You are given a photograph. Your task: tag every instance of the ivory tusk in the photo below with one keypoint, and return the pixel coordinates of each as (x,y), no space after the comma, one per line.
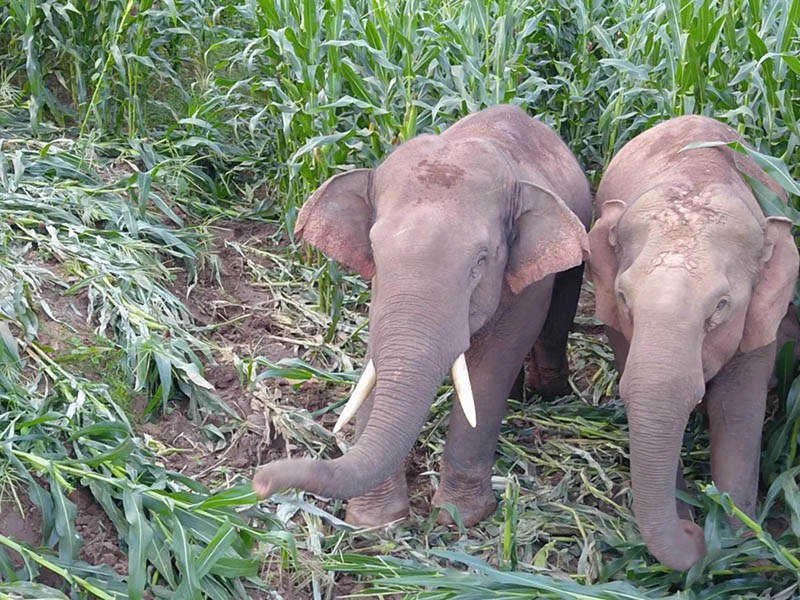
(360,393)
(464,389)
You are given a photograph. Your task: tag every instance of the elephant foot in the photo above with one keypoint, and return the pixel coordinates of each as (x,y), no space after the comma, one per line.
(547,381)
(679,547)
(386,503)
(474,503)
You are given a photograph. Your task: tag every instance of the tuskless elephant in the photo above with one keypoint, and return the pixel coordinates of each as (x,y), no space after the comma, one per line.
(474,240)
(692,282)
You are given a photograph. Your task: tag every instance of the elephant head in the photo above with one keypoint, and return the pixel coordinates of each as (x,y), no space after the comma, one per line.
(690,274)
(445,229)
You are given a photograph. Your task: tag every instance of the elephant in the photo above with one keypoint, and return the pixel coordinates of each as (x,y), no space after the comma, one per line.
(474,240)
(691,281)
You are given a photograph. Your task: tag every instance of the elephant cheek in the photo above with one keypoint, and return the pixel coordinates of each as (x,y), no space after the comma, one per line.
(625,322)
(484,301)
(720,345)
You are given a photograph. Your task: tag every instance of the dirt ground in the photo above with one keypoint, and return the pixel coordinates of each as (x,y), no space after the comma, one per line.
(22,522)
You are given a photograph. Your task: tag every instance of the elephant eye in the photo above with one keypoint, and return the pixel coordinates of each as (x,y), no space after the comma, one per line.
(717,317)
(476,270)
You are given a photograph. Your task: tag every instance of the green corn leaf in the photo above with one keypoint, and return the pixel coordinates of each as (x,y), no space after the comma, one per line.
(27,589)
(165,375)
(793,62)
(190,582)
(216,549)
(160,556)
(235,567)
(69,540)
(241,495)
(139,539)
(111,430)
(785,368)
(770,203)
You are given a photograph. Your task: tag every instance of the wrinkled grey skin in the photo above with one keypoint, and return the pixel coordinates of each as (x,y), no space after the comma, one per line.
(692,282)
(462,244)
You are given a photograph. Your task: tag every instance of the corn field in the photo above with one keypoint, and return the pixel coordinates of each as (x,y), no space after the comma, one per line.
(162,333)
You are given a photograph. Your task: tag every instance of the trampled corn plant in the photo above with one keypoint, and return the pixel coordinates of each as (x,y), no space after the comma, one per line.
(565,529)
(179,538)
(59,431)
(114,251)
(151,72)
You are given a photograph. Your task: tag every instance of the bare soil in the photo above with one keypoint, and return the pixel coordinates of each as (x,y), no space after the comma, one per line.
(239,313)
(22,522)
(101,545)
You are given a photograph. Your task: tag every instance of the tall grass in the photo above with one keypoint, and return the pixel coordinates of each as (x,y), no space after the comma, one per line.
(222,109)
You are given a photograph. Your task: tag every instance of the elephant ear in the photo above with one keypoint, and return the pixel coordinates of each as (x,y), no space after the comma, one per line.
(603,265)
(548,238)
(775,288)
(336,220)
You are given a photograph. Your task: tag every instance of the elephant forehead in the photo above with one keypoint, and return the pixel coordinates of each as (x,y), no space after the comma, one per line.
(676,209)
(684,217)
(683,229)
(431,167)
(675,259)
(441,173)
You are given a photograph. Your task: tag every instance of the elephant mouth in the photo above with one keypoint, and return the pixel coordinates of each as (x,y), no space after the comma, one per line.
(369,378)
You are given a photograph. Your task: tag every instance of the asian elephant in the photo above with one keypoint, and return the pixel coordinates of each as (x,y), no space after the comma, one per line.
(692,282)
(474,240)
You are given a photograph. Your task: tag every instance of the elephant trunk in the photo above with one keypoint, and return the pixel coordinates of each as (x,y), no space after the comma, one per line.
(662,382)
(413,344)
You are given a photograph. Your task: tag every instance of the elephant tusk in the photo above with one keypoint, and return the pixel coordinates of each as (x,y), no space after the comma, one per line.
(360,393)
(464,389)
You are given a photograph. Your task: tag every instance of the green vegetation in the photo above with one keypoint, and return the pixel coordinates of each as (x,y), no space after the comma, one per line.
(101,360)
(135,134)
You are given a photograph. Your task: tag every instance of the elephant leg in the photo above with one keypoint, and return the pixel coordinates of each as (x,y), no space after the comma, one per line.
(518,389)
(387,502)
(548,369)
(493,361)
(736,400)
